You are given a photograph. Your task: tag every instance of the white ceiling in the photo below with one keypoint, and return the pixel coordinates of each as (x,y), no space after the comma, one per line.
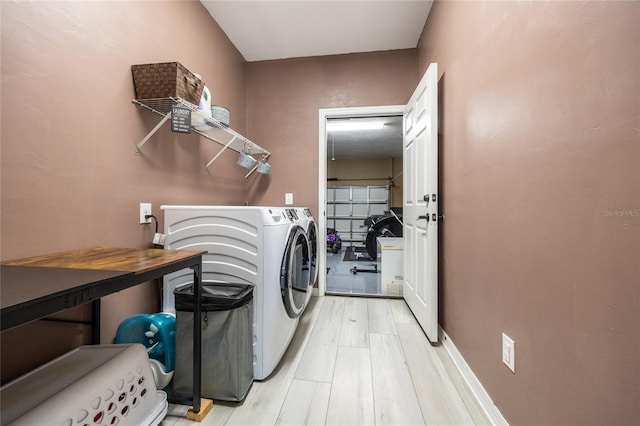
(382,143)
(279,29)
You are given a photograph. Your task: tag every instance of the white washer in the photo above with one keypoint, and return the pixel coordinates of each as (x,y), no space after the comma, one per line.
(256,245)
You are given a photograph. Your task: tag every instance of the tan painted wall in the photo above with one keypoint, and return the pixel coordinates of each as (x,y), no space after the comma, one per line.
(368,168)
(539,168)
(70,175)
(540,185)
(284,98)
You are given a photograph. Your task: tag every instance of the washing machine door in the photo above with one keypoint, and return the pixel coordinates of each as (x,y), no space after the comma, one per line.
(294,272)
(312,234)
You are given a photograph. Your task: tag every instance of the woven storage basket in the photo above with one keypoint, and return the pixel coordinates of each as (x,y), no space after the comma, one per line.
(166,79)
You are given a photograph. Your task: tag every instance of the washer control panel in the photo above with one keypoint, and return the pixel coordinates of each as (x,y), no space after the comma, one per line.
(292,214)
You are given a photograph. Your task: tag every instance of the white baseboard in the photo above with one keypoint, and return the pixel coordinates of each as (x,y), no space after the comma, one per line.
(476,388)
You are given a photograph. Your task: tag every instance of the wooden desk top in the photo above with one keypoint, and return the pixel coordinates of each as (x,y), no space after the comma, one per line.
(111,259)
(35,287)
(23,284)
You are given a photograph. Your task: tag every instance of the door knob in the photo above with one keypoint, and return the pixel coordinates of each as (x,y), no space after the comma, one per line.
(441,217)
(425,217)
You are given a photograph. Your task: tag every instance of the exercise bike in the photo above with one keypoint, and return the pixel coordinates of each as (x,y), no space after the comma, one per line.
(385,225)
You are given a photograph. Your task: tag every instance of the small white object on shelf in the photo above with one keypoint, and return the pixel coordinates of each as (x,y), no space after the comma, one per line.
(204,107)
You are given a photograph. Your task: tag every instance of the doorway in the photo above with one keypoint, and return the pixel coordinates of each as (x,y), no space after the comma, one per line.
(360,181)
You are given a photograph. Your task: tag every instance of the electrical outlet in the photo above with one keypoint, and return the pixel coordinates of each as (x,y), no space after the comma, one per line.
(509,352)
(145,209)
(288,198)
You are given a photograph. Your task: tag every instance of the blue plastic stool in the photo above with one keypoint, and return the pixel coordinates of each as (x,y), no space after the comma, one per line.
(156,332)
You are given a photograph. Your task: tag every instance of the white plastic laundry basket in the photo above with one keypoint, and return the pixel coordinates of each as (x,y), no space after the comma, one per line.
(91,385)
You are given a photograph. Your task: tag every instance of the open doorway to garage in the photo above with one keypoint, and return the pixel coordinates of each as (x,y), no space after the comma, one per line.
(363,198)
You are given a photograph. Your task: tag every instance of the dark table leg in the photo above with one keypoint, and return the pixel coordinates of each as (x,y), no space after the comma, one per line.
(197,336)
(95,322)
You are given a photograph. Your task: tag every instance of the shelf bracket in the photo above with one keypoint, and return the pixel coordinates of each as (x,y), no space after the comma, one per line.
(265,157)
(251,171)
(152,132)
(220,152)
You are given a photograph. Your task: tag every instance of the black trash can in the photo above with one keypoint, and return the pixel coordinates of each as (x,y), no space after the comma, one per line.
(227,350)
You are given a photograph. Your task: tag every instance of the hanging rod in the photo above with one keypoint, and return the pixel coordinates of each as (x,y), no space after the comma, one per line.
(347,179)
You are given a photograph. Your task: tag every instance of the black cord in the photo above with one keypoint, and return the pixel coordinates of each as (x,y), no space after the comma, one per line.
(147,216)
(158,280)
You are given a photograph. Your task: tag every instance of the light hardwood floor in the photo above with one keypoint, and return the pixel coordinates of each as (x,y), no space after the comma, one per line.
(353,361)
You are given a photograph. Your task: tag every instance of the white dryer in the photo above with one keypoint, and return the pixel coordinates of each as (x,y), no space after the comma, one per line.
(257,245)
(308,223)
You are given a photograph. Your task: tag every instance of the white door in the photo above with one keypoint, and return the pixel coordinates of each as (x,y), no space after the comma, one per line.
(420,207)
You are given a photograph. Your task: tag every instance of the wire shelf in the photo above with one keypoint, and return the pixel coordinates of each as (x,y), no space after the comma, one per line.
(210,128)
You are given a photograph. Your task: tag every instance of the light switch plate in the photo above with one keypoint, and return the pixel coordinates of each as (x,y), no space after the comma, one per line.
(509,352)
(288,198)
